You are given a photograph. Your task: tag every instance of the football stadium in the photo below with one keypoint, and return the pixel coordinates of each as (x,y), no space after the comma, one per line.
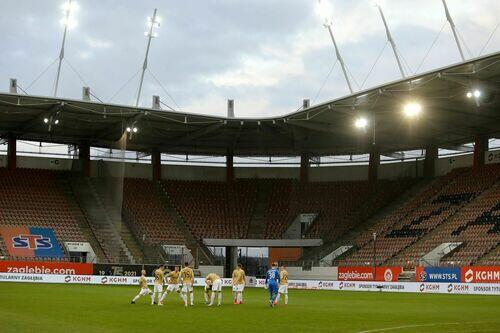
(285,193)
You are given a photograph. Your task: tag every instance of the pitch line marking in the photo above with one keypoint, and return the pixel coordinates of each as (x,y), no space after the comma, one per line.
(423,325)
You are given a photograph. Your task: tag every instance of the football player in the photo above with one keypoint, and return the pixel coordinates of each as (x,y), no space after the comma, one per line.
(213,283)
(187,280)
(283,289)
(143,283)
(172,283)
(158,285)
(238,284)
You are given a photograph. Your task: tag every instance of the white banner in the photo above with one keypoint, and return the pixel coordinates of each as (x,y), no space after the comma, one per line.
(492,157)
(409,287)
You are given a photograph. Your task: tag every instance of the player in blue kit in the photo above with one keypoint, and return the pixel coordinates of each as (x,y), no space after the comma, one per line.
(272,282)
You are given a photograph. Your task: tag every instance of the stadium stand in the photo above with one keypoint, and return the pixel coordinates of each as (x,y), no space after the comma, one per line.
(429,219)
(31,198)
(213,209)
(340,205)
(473,225)
(148,214)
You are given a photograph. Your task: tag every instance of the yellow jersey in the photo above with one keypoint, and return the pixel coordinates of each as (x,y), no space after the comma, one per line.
(159,276)
(238,276)
(143,283)
(284,277)
(173,277)
(212,277)
(187,275)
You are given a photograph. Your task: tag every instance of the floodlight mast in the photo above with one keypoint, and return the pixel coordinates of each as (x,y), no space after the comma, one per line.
(391,41)
(150,36)
(453,29)
(61,53)
(328,25)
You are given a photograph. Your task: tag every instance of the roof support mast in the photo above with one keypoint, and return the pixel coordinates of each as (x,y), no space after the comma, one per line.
(453,29)
(391,41)
(67,8)
(328,25)
(153,21)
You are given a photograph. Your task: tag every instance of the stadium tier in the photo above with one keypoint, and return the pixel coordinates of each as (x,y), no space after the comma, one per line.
(32,198)
(214,209)
(460,207)
(142,201)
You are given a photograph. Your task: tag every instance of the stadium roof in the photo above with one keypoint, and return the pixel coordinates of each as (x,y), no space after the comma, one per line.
(448,119)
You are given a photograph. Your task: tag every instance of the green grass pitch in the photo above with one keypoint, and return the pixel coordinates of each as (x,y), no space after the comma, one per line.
(85,308)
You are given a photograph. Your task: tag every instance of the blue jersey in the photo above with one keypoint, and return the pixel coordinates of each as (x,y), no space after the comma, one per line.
(272,277)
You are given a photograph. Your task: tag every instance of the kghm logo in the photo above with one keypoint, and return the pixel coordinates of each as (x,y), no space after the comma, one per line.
(104,279)
(422,287)
(67,279)
(341,285)
(450,288)
(35,242)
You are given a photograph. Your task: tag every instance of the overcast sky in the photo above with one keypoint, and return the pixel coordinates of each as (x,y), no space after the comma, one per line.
(267,55)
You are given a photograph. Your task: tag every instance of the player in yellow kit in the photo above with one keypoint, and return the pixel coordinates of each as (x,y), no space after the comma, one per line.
(213,283)
(187,280)
(143,283)
(172,279)
(283,289)
(238,284)
(158,285)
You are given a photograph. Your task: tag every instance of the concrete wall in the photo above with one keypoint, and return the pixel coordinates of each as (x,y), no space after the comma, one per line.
(44,163)
(316,273)
(205,270)
(445,165)
(218,173)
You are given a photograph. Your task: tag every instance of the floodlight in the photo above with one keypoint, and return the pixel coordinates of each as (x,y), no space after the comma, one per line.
(46,120)
(135,129)
(476,93)
(412,109)
(70,22)
(56,122)
(361,122)
(324,10)
(70,6)
(128,129)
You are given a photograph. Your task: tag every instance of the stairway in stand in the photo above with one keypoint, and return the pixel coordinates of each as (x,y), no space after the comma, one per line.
(257,226)
(105,219)
(198,250)
(63,180)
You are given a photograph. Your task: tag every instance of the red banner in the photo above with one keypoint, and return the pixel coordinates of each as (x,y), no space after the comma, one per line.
(361,273)
(44,267)
(388,274)
(365,273)
(481,274)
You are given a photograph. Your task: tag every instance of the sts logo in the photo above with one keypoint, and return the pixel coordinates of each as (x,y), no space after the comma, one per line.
(31,242)
(34,242)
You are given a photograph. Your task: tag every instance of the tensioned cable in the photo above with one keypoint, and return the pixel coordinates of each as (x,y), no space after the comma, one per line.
(81,78)
(41,74)
(93,95)
(489,39)
(162,87)
(353,78)
(408,68)
(430,48)
(324,81)
(126,83)
(168,106)
(77,73)
(24,91)
(463,41)
(374,64)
